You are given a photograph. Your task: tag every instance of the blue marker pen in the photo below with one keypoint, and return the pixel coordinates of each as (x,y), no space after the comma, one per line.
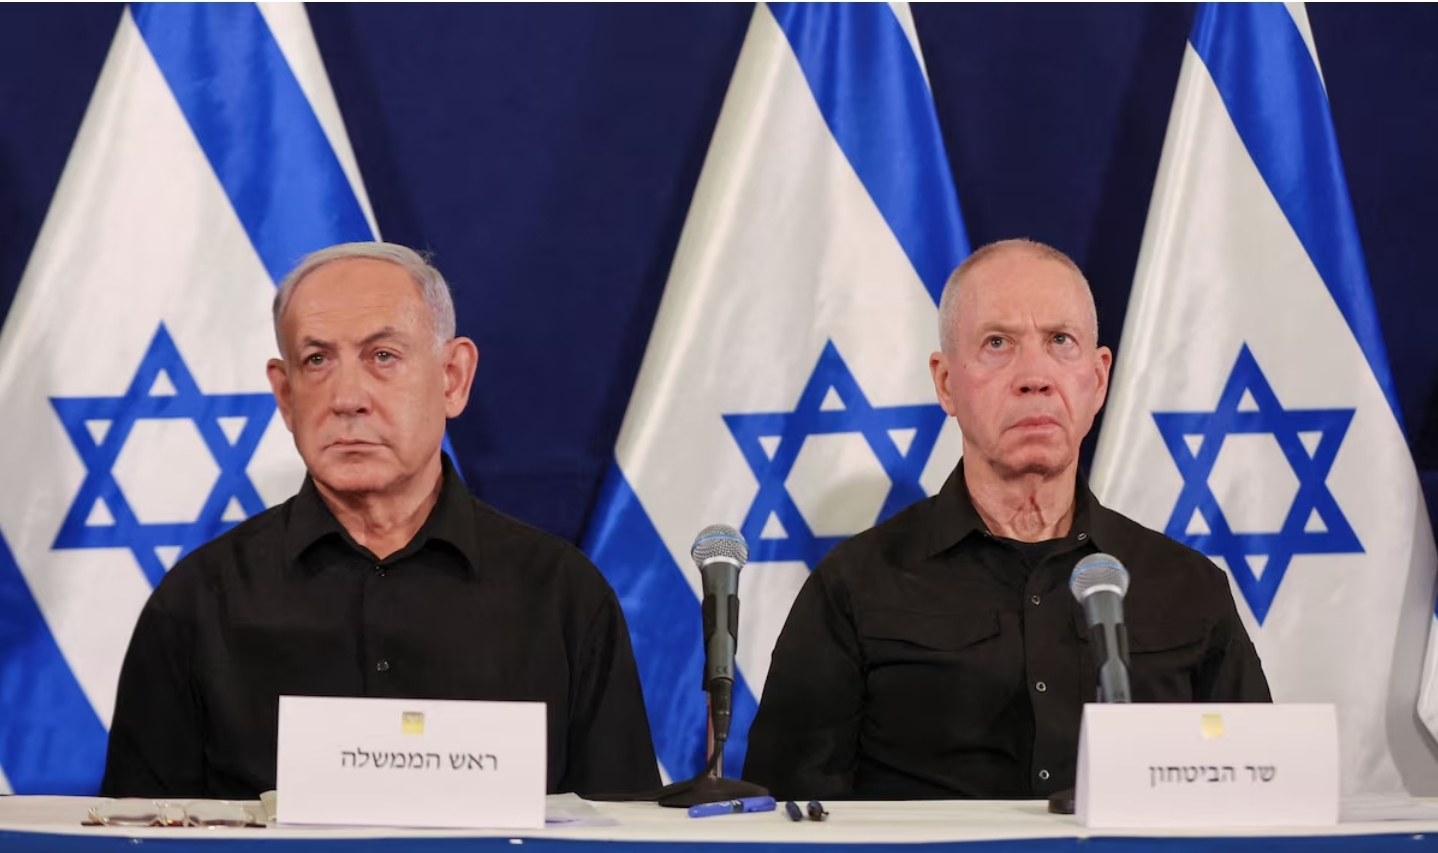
(743,804)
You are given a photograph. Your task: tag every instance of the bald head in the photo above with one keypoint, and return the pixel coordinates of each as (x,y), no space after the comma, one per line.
(1004,257)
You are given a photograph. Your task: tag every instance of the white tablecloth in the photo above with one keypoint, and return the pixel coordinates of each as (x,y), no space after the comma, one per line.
(849,823)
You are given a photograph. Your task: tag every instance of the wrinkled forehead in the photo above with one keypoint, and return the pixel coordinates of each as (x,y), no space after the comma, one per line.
(356,292)
(1019,287)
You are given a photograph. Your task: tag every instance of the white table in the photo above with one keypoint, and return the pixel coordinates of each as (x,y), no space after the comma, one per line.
(54,824)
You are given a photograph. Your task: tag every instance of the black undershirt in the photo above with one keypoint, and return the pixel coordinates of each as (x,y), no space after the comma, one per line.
(1031,553)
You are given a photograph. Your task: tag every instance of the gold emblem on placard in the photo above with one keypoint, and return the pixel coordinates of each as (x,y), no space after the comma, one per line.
(1213,726)
(412,722)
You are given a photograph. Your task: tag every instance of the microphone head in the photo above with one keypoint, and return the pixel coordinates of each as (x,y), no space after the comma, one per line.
(1098,572)
(719,541)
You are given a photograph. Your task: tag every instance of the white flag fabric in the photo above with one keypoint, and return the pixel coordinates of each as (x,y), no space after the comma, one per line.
(1252,414)
(785,388)
(132,363)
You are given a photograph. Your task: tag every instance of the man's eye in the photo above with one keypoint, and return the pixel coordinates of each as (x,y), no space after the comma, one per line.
(1062,338)
(995,342)
(384,356)
(315,360)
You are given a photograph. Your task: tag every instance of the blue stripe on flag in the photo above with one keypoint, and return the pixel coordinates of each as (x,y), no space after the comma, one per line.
(262,138)
(52,738)
(256,127)
(669,647)
(873,94)
(1275,96)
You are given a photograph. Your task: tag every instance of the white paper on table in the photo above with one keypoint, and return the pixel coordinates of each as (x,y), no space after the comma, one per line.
(1378,808)
(573,810)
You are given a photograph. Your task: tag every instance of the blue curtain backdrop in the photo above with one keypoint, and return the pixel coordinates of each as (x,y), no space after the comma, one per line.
(546,155)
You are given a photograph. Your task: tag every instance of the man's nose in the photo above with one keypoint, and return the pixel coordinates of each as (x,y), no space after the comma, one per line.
(1033,372)
(350,393)
(1034,385)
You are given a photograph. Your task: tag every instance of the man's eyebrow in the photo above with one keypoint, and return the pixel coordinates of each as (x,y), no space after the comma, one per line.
(386,332)
(382,334)
(1000,326)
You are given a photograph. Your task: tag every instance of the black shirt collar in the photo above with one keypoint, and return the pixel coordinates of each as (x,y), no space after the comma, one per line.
(955,516)
(451,521)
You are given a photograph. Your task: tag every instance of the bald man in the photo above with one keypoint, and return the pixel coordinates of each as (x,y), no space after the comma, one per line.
(940,653)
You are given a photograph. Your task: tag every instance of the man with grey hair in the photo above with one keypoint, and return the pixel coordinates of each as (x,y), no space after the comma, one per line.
(940,654)
(382,577)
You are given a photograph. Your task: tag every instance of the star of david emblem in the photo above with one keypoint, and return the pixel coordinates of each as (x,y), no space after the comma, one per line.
(1309,439)
(831,402)
(162,389)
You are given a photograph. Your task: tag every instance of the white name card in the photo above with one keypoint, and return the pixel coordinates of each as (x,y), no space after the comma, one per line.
(1192,765)
(411,763)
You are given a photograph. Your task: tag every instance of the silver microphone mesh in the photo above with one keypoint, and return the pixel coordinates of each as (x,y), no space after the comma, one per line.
(1097,570)
(719,540)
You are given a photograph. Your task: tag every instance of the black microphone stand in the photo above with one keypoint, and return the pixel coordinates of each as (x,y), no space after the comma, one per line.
(710,786)
(1113,688)
(722,545)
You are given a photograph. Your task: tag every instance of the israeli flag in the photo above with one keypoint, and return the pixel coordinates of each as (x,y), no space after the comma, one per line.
(140,423)
(1252,414)
(785,389)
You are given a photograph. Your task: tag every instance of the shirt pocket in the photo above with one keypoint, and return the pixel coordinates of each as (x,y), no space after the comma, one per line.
(898,636)
(930,677)
(1164,657)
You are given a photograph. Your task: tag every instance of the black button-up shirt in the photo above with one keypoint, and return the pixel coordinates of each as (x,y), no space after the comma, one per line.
(476,606)
(927,658)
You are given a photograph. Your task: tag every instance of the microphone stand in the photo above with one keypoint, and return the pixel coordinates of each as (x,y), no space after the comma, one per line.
(710,786)
(1063,802)
(723,547)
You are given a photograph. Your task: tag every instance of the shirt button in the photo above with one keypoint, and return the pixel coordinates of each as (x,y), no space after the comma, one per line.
(1044,775)
(382,666)
(1082,536)
(1035,599)
(379,571)
(1040,686)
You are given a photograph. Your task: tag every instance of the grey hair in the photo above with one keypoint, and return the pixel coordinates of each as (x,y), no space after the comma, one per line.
(431,284)
(949,301)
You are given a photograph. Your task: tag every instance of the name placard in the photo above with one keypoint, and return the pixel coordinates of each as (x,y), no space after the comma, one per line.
(1197,765)
(411,763)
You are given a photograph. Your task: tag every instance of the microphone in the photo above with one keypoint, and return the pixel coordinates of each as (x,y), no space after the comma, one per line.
(720,552)
(1099,582)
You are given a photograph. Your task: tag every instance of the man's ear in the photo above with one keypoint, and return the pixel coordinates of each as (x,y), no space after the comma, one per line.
(1105,370)
(461,359)
(280,384)
(939,370)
